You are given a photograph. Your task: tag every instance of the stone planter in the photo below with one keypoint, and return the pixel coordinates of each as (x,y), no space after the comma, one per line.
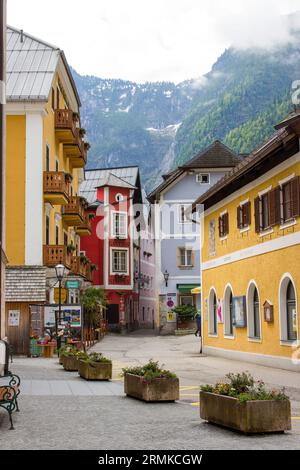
(252,417)
(95,370)
(158,390)
(70,363)
(186,325)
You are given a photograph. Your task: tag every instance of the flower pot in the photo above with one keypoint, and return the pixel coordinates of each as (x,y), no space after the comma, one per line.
(70,363)
(95,370)
(158,390)
(251,417)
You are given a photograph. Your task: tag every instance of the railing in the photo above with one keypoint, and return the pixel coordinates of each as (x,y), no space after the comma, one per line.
(78,267)
(56,182)
(86,225)
(64,120)
(83,146)
(57,254)
(75,207)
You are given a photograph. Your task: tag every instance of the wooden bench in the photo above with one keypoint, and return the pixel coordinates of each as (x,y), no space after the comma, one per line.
(9,394)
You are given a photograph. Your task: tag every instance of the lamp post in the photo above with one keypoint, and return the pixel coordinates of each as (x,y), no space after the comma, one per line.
(166,277)
(60,272)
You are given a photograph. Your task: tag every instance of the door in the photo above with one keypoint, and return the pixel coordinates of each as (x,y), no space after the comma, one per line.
(113,314)
(18,327)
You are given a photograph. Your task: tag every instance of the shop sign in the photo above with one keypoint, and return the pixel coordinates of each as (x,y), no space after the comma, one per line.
(72,284)
(14,317)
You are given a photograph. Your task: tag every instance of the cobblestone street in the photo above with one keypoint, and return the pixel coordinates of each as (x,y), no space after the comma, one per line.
(61,411)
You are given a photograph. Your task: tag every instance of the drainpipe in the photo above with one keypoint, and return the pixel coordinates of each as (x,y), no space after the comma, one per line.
(2,152)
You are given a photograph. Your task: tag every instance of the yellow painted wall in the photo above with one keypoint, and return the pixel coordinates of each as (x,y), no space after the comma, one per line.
(266,270)
(15,189)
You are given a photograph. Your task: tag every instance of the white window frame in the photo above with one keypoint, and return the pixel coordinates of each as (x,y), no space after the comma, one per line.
(113,218)
(211,333)
(250,313)
(186,207)
(284,282)
(121,273)
(199,178)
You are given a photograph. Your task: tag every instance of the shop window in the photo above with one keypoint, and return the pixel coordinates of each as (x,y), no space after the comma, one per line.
(213,319)
(254,312)
(224,225)
(228,312)
(244,215)
(288,310)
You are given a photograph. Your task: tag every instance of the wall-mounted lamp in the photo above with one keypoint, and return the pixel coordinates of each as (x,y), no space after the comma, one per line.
(166,276)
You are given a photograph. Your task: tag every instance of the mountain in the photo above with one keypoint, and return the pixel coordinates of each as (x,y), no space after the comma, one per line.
(161,125)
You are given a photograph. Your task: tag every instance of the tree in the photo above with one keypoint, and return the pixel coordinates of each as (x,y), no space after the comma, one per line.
(94,300)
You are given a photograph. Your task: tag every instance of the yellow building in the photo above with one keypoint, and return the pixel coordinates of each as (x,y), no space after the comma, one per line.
(251,255)
(46,155)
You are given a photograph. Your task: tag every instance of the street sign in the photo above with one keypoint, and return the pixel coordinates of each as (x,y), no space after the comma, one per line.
(64,296)
(72,284)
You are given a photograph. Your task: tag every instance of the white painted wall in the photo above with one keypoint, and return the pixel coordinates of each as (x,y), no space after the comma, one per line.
(34,190)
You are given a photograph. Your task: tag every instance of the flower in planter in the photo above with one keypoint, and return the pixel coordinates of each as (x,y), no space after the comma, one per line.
(244,388)
(149,372)
(96,358)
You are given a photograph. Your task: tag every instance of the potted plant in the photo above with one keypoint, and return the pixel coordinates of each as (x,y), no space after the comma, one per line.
(93,268)
(91,216)
(95,367)
(151,383)
(71,248)
(185,316)
(245,406)
(70,359)
(83,259)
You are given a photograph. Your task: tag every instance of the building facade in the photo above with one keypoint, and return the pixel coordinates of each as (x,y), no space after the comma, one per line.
(251,256)
(46,157)
(177,257)
(114,245)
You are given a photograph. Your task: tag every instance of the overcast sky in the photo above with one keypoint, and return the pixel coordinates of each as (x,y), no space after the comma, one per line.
(151,40)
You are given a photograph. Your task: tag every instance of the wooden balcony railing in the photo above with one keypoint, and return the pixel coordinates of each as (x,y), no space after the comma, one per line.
(75,209)
(57,254)
(78,268)
(86,227)
(77,150)
(56,187)
(64,121)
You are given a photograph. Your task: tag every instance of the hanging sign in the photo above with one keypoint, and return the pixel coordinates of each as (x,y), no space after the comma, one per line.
(14,317)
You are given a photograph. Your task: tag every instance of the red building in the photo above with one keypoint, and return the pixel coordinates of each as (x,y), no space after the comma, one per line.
(113,195)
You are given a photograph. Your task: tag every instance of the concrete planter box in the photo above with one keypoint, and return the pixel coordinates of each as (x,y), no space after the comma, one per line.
(186,325)
(95,370)
(158,390)
(252,417)
(70,363)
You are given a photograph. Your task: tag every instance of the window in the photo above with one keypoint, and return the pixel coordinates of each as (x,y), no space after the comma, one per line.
(119,197)
(57,235)
(119,262)
(143,314)
(203,178)
(47,158)
(185,214)
(185,258)
(224,225)
(291,313)
(53,99)
(254,312)
(57,98)
(267,210)
(290,199)
(119,228)
(228,308)
(213,319)
(244,215)
(47,230)
(66,239)
(56,166)
(265,219)
(186,300)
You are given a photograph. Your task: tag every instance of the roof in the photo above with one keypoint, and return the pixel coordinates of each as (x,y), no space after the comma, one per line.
(217,155)
(248,167)
(120,177)
(31,66)
(25,284)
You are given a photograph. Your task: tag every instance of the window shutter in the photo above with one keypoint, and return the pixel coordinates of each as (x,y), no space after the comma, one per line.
(274,207)
(239,210)
(220,227)
(257,215)
(295,190)
(178,257)
(226,223)
(248,213)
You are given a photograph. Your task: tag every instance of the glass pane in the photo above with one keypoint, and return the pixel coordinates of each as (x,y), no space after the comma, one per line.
(189,258)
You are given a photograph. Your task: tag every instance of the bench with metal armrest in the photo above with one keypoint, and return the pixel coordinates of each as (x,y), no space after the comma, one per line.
(9,395)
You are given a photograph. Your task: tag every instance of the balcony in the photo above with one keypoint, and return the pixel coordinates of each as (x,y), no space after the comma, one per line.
(77,267)
(85,229)
(77,150)
(74,212)
(56,188)
(65,125)
(57,254)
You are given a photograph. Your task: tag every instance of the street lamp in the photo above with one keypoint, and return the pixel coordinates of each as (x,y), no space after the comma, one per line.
(60,272)
(167,276)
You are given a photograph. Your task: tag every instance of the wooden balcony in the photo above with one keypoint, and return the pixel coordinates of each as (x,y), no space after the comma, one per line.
(56,188)
(74,212)
(85,229)
(77,150)
(77,267)
(65,125)
(57,254)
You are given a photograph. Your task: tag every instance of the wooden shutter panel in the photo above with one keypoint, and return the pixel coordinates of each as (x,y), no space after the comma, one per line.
(226,223)
(257,214)
(295,191)
(248,213)
(274,207)
(239,209)
(220,227)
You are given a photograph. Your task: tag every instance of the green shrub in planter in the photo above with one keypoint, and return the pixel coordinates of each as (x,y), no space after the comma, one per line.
(186,312)
(95,367)
(71,358)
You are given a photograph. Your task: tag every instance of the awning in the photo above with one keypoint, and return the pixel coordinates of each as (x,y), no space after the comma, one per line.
(196,291)
(186,288)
